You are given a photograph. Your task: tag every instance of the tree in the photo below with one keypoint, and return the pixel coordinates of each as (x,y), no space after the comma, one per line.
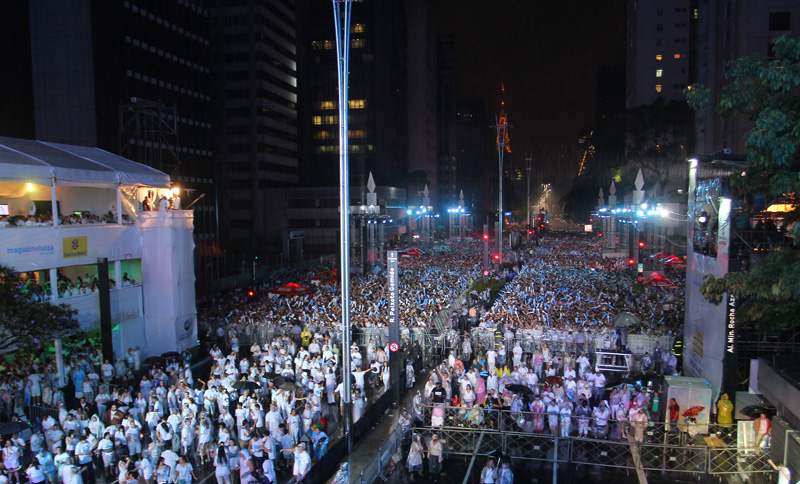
(762,89)
(658,136)
(26,324)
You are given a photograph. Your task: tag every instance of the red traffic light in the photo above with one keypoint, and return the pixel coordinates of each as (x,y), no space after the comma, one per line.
(485,236)
(251,294)
(641,244)
(631,262)
(485,273)
(497,257)
(600,234)
(530,232)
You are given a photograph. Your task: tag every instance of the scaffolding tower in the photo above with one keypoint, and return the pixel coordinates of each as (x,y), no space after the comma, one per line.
(147,130)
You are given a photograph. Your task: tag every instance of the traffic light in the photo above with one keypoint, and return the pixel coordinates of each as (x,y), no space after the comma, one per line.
(251,293)
(631,262)
(641,244)
(600,234)
(486,273)
(530,232)
(485,236)
(497,257)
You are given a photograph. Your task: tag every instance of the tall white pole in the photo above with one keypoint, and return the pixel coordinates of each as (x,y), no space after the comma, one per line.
(528,227)
(341,17)
(501,148)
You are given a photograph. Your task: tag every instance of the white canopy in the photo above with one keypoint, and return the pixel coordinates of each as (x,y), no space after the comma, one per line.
(39,162)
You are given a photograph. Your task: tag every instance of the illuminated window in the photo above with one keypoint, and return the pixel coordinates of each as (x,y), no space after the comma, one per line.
(317,120)
(326,149)
(324,105)
(358,43)
(658,87)
(659,72)
(357,103)
(679,56)
(659,57)
(324,135)
(322,44)
(357,133)
(362,148)
(357,28)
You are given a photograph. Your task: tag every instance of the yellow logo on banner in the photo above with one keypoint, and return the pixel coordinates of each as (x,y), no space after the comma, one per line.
(75,247)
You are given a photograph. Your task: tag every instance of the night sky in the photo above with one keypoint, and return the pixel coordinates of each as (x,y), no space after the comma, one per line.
(547,54)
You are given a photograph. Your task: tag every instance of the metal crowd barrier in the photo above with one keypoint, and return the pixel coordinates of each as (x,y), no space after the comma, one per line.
(525,422)
(373,469)
(628,454)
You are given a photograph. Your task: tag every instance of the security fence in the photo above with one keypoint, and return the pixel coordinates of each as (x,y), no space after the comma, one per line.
(627,454)
(672,434)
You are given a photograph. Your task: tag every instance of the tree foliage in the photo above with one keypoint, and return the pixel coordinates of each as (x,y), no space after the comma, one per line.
(26,324)
(658,137)
(764,90)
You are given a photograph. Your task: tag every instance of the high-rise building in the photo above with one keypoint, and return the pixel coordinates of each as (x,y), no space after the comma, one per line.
(447,110)
(658,50)
(392,90)
(727,31)
(476,157)
(131,77)
(256,91)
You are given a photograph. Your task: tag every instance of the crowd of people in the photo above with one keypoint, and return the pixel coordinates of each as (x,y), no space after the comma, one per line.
(274,384)
(46,220)
(68,287)
(526,364)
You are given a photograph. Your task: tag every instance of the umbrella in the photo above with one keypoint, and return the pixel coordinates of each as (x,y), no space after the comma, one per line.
(14,428)
(752,411)
(170,354)
(506,380)
(278,381)
(625,319)
(287,386)
(291,289)
(693,411)
(517,388)
(154,360)
(555,380)
(246,385)
(271,376)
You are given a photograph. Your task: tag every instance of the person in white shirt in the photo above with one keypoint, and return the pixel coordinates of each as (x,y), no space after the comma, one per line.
(489,473)
(184,472)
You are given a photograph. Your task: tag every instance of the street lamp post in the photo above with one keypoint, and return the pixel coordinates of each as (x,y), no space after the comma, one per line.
(341,18)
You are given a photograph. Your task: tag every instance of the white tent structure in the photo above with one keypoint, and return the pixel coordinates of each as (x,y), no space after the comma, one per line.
(63,207)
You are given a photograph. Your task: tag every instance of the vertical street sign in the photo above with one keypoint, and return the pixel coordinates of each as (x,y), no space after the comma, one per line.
(730,377)
(394,323)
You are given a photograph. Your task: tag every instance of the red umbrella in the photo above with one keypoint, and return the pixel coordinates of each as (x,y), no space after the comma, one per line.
(291,289)
(693,411)
(554,380)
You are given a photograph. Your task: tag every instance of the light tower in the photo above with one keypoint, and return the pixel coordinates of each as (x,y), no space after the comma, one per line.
(503,145)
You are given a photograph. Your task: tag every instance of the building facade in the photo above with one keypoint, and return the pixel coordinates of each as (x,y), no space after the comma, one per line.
(727,31)
(658,50)
(131,77)
(255,57)
(392,91)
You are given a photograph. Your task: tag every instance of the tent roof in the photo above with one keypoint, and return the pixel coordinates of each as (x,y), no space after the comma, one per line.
(38,162)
